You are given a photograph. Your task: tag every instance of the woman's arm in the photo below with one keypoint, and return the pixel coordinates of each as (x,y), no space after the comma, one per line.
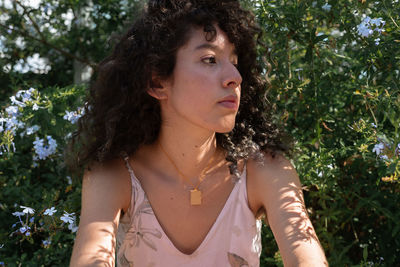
(105,192)
(277,188)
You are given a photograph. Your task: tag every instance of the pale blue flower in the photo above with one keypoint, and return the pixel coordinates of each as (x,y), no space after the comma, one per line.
(326,7)
(24,229)
(27,210)
(50,211)
(46,242)
(365,27)
(44,150)
(12,124)
(373,125)
(73,227)
(18,213)
(378,148)
(73,116)
(377,22)
(32,130)
(68,217)
(384,157)
(32,219)
(364,30)
(26,95)
(377,41)
(12,111)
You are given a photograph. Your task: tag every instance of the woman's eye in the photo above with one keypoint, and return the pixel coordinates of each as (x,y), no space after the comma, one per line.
(210,60)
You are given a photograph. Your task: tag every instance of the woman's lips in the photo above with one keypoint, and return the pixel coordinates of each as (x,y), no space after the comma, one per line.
(229,104)
(230,101)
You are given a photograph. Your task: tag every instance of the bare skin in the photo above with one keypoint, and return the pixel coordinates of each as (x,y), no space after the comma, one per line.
(190,119)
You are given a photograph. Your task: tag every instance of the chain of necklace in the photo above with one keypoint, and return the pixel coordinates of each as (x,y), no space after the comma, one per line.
(195,193)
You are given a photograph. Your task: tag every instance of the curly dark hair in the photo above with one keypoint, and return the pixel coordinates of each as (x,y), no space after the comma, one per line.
(121,116)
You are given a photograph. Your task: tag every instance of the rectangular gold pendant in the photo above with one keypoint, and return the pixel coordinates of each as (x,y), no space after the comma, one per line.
(195,197)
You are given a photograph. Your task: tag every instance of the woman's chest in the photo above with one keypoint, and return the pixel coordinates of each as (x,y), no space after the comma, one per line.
(186,225)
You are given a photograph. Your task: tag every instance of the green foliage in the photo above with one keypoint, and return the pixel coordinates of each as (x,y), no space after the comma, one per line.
(335,87)
(69,34)
(338,95)
(38,183)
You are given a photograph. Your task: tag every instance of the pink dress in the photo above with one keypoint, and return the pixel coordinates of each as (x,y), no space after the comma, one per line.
(233,240)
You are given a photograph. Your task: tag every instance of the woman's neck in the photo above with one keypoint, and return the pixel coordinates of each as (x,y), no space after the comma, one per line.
(190,153)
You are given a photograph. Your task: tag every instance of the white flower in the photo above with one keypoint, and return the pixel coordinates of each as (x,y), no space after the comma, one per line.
(42,150)
(50,211)
(377,41)
(27,210)
(326,7)
(18,213)
(68,217)
(17,102)
(35,107)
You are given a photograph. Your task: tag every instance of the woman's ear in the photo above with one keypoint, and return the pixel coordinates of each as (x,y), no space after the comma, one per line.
(158,89)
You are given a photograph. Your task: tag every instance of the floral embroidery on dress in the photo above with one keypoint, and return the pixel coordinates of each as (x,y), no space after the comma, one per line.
(236,261)
(133,233)
(138,234)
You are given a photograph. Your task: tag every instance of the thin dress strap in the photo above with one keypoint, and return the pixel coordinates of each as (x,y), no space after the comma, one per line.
(125,156)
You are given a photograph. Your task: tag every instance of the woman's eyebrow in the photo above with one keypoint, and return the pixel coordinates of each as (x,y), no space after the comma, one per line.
(211,47)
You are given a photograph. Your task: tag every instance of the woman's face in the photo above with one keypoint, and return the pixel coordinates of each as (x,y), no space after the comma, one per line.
(204,89)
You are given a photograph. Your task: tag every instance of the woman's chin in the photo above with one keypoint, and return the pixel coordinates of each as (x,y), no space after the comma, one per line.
(226,128)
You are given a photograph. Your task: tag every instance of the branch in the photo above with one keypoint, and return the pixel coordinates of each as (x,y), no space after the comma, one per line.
(31,19)
(45,42)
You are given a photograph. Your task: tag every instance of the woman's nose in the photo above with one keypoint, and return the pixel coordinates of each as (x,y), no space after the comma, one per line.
(232,77)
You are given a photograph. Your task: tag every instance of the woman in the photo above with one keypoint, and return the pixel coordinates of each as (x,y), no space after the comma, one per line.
(180,159)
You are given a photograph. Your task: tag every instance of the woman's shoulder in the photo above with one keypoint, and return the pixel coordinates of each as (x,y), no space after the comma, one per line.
(269,177)
(111,178)
(270,168)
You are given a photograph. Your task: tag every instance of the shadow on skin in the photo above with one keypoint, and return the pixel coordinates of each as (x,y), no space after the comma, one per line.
(296,215)
(100,254)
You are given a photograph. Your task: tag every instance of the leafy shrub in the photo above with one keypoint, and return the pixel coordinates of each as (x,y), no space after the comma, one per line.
(334,70)
(335,80)
(39,200)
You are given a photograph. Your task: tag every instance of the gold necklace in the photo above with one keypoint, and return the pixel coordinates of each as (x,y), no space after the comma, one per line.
(195,194)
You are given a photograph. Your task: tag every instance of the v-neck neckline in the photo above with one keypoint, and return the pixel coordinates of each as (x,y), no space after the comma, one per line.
(212,229)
